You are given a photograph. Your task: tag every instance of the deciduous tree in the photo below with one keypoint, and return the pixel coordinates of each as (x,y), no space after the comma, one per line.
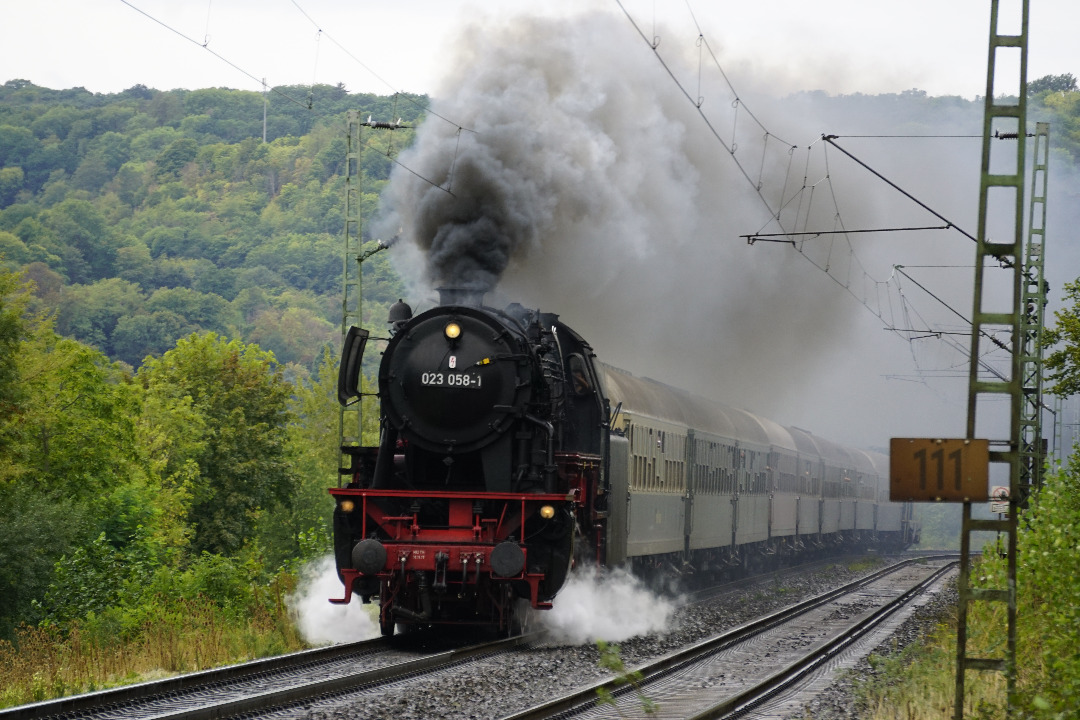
(1063,363)
(1053,83)
(240,399)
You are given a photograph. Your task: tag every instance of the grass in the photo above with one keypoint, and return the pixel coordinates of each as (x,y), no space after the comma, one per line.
(864,564)
(188,635)
(919,682)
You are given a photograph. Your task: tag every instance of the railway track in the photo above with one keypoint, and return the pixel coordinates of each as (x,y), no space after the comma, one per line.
(345,675)
(733,673)
(261,685)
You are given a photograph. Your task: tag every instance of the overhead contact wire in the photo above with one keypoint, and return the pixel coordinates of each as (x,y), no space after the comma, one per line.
(276,91)
(205,46)
(831,139)
(206,33)
(805,194)
(376,75)
(704,117)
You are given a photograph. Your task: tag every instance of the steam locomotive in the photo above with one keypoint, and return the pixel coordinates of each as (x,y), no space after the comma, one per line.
(508,452)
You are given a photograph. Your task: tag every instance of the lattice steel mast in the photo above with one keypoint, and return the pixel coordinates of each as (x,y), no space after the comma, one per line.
(1032,446)
(351,420)
(1012,118)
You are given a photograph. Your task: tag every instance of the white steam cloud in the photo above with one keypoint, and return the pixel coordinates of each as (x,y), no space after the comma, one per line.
(320,621)
(612,607)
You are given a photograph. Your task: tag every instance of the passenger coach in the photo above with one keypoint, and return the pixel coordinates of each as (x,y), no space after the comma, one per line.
(698,486)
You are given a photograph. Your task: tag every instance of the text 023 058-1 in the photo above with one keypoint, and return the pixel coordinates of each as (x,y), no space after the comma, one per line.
(443,379)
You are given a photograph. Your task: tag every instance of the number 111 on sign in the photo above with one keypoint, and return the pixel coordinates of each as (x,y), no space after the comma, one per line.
(938,469)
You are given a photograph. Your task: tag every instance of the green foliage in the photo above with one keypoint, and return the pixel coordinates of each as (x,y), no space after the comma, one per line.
(175,156)
(36,528)
(13,301)
(611,659)
(17,145)
(89,313)
(1048,599)
(66,443)
(1052,83)
(919,681)
(75,429)
(140,619)
(1063,364)
(156,209)
(88,246)
(303,531)
(1061,108)
(12,180)
(89,580)
(238,405)
(137,336)
(1049,589)
(295,335)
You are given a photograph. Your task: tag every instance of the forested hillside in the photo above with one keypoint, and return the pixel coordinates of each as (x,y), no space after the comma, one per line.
(145,216)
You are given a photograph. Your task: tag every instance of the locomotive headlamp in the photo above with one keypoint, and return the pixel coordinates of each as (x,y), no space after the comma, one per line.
(347,506)
(547,512)
(452,331)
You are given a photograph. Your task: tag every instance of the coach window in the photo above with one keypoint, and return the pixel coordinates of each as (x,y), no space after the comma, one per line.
(649,452)
(714,467)
(718,454)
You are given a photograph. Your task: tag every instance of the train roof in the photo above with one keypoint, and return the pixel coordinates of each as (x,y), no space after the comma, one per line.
(833,453)
(645,396)
(879,461)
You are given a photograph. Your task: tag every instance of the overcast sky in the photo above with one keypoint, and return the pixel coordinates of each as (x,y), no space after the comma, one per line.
(841,46)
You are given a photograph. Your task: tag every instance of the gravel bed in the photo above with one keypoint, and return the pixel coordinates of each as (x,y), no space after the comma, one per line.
(840,701)
(514,681)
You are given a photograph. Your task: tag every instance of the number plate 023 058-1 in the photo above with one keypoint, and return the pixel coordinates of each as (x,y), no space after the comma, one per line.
(467,381)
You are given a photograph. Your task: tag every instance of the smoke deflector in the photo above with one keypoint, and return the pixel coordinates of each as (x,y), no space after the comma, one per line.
(352,355)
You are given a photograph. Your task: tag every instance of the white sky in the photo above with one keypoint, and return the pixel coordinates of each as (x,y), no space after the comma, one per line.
(841,46)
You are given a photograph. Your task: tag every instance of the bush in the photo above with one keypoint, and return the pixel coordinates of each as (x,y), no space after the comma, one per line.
(1048,577)
(217,610)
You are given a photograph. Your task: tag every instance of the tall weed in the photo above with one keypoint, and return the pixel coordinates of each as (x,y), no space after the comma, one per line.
(171,624)
(920,681)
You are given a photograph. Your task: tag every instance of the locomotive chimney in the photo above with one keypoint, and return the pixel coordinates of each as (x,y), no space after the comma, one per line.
(461,296)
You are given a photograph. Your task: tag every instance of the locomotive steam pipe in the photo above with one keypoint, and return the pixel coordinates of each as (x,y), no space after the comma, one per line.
(384,464)
(550,475)
(423,585)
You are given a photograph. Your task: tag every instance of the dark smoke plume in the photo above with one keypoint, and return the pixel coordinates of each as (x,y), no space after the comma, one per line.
(563,151)
(586,184)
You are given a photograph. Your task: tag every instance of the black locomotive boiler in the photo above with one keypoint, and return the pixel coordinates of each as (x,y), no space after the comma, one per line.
(507,450)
